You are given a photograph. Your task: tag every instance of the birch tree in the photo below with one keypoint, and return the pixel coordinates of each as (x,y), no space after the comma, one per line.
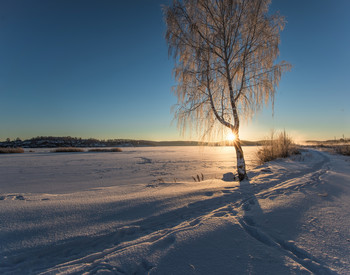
(225,55)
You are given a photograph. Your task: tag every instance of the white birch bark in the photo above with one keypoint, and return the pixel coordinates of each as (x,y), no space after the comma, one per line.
(225,52)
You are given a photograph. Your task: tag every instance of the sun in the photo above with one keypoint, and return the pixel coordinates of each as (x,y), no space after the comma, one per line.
(231,137)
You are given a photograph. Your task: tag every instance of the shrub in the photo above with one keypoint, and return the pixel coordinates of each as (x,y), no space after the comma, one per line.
(280,147)
(343,150)
(67,150)
(11,150)
(105,150)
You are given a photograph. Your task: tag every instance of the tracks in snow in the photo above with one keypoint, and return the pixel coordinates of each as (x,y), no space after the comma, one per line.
(166,226)
(285,247)
(288,248)
(160,230)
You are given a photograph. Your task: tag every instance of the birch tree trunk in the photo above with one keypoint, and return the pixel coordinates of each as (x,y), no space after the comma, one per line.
(225,53)
(241,169)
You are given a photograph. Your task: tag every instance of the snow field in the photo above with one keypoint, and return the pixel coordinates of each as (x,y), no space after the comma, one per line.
(290,217)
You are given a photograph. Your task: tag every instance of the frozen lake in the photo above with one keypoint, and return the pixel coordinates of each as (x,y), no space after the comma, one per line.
(140,212)
(42,171)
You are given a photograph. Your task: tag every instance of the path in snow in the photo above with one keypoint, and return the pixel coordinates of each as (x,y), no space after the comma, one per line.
(273,223)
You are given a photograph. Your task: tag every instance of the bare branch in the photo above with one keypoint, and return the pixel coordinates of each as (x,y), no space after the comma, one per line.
(225,53)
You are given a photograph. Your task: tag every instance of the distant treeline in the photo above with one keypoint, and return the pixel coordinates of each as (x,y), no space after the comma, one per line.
(53,142)
(329,142)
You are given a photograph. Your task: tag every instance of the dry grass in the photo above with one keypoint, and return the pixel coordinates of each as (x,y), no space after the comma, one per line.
(280,147)
(106,150)
(11,150)
(198,178)
(343,150)
(67,150)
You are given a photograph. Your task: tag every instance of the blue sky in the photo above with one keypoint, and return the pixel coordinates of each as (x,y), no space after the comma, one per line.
(101,69)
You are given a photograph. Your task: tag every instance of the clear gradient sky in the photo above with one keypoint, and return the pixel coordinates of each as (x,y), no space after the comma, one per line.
(101,69)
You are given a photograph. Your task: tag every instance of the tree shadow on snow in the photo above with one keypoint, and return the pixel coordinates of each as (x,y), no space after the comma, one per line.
(278,251)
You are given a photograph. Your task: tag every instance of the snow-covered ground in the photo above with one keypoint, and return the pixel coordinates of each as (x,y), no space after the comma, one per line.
(42,171)
(140,212)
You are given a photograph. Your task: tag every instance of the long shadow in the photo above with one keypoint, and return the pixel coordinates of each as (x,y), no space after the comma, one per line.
(244,197)
(78,247)
(252,211)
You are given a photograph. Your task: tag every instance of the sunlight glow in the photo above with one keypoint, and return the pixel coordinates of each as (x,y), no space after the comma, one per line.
(230,137)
